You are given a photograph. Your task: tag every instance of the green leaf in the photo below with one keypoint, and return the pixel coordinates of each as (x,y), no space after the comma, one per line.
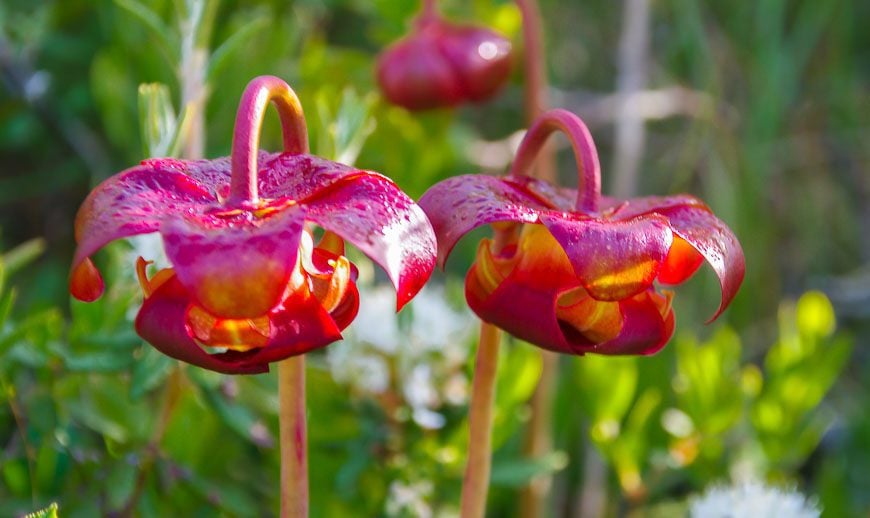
(149,371)
(517,473)
(165,37)
(220,56)
(237,417)
(156,118)
(48,512)
(22,255)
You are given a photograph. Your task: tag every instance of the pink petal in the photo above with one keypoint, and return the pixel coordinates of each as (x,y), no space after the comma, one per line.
(460,204)
(368,210)
(240,269)
(297,177)
(614,260)
(715,241)
(414,74)
(692,220)
(134,202)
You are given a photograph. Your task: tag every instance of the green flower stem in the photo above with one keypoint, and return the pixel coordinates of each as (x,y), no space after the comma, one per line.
(293,437)
(476,482)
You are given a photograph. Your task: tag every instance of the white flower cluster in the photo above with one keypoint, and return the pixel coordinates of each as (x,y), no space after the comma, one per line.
(419,354)
(752,500)
(409,499)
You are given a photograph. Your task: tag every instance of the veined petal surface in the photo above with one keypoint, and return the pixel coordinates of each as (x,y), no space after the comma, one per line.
(460,204)
(240,269)
(613,259)
(371,212)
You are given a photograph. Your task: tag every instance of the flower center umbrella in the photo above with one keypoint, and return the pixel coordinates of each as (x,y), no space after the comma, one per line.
(578,276)
(248,286)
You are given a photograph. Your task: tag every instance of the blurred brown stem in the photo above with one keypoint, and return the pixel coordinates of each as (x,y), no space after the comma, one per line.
(475,485)
(535,69)
(293,437)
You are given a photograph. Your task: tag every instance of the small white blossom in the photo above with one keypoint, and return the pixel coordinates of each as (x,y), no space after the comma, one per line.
(409,499)
(752,500)
(422,358)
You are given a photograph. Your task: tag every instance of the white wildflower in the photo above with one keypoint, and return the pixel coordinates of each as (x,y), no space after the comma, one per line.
(422,359)
(752,500)
(409,499)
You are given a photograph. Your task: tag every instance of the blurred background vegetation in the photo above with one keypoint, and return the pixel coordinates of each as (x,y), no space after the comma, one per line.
(760,108)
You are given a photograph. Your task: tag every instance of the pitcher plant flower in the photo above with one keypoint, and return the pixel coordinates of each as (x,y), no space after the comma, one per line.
(248,285)
(441,64)
(578,276)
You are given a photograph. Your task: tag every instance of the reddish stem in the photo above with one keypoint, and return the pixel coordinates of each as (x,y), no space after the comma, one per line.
(588,167)
(428,13)
(536,98)
(246,134)
(293,437)
(533,55)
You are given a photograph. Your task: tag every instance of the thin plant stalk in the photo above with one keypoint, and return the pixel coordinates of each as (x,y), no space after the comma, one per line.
(244,192)
(293,437)
(475,485)
(536,94)
(538,442)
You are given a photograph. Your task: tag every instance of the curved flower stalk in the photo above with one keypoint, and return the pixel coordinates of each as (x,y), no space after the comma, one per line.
(579,276)
(441,64)
(248,285)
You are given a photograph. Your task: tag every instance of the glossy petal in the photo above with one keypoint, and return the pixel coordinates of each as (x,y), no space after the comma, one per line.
(460,204)
(414,73)
(480,58)
(644,330)
(297,177)
(694,222)
(683,261)
(715,241)
(239,271)
(162,323)
(368,210)
(85,281)
(130,203)
(614,260)
(295,328)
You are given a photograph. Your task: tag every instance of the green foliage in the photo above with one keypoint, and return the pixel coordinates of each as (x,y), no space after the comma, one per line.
(769,128)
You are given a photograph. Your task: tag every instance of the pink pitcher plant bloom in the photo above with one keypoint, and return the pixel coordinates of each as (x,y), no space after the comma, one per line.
(441,64)
(578,276)
(248,285)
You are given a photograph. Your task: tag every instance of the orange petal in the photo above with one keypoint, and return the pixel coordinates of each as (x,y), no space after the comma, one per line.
(682,261)
(240,335)
(85,282)
(150,285)
(596,320)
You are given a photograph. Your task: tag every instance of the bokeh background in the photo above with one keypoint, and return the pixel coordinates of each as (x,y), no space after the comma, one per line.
(760,108)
